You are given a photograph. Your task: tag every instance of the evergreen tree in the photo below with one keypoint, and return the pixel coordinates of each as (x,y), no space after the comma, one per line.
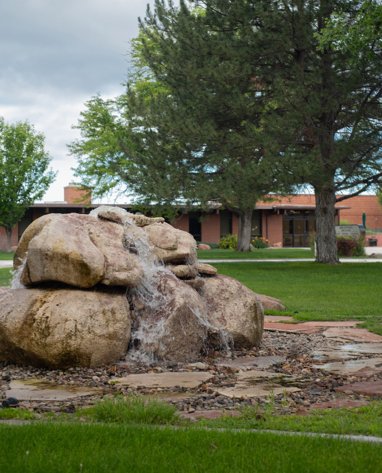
(237,98)
(328,89)
(192,116)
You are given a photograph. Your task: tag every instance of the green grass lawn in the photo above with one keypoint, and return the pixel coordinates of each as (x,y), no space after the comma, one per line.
(134,410)
(5,276)
(266,253)
(6,256)
(364,420)
(64,448)
(312,291)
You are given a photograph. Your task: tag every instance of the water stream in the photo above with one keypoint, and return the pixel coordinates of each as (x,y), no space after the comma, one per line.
(16,277)
(148,294)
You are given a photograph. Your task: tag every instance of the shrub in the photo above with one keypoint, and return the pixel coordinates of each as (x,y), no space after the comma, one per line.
(350,247)
(360,248)
(260,242)
(228,242)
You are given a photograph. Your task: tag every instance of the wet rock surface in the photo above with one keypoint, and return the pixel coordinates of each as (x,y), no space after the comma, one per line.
(90,288)
(282,372)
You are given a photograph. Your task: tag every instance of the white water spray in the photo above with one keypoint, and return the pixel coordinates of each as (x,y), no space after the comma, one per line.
(16,278)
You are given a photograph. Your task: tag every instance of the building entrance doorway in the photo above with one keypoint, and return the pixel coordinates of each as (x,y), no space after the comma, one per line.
(298,228)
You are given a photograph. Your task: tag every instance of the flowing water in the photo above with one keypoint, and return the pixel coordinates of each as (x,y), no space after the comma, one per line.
(16,278)
(150,332)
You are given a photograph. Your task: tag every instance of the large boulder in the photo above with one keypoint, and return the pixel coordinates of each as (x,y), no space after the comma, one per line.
(171,245)
(63,327)
(170,322)
(234,308)
(120,215)
(270,303)
(78,250)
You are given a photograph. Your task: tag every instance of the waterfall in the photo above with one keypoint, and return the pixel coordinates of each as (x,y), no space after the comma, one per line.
(16,277)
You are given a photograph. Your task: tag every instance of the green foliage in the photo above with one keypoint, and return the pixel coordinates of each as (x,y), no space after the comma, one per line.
(327,113)
(209,114)
(355,38)
(132,409)
(190,120)
(24,172)
(228,242)
(260,242)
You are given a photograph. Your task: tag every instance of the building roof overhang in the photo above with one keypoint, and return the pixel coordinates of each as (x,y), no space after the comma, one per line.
(293,207)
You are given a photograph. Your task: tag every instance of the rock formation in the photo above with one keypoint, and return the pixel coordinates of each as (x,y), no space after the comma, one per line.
(91,288)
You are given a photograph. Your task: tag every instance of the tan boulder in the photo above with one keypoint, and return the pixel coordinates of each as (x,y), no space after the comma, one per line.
(203,246)
(110,212)
(196,283)
(122,268)
(120,215)
(233,307)
(170,324)
(63,327)
(206,269)
(78,250)
(184,271)
(270,303)
(31,231)
(170,244)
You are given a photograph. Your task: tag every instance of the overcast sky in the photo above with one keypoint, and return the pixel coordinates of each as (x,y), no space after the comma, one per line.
(54,56)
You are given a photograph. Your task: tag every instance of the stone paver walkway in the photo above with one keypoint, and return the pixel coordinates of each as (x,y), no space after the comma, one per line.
(350,359)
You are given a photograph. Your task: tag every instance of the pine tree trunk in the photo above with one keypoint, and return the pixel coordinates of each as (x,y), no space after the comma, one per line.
(245,230)
(326,245)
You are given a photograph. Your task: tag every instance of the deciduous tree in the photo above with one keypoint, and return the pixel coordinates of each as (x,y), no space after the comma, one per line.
(24,172)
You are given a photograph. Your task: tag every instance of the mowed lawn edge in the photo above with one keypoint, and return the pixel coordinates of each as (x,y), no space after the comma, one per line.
(312,291)
(103,448)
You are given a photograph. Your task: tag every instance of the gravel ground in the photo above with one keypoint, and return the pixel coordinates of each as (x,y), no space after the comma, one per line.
(296,349)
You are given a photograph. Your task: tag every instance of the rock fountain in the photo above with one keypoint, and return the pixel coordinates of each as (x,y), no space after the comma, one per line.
(92,289)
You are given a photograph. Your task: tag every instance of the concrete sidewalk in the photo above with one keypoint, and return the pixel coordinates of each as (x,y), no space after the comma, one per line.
(373,255)
(286,260)
(6,264)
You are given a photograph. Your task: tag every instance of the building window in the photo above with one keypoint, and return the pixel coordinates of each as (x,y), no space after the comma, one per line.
(225,223)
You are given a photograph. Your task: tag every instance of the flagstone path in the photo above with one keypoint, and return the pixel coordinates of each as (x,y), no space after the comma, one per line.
(298,367)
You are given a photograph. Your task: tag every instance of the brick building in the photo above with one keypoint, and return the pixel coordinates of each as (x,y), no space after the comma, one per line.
(283,221)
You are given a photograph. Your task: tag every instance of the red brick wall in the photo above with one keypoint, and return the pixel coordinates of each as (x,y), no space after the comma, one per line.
(211,228)
(363,203)
(77,195)
(181,222)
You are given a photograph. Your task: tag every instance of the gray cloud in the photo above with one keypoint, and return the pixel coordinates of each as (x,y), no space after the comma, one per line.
(55,55)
